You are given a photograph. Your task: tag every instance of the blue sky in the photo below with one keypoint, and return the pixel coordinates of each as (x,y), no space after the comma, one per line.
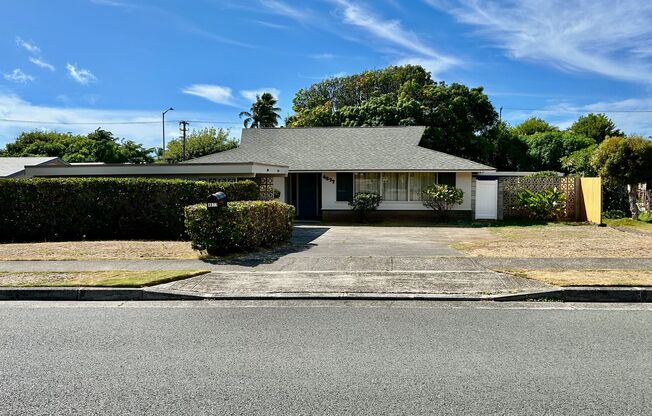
(114,61)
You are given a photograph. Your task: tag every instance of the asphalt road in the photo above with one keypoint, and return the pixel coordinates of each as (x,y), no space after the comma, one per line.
(194,358)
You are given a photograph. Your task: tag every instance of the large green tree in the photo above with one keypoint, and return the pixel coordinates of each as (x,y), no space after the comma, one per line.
(626,161)
(457,117)
(596,126)
(263,112)
(533,125)
(546,150)
(98,146)
(199,143)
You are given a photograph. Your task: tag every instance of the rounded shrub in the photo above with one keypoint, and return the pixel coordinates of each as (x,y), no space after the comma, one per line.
(240,226)
(364,203)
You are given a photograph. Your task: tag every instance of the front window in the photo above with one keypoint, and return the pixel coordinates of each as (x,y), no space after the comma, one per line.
(418,181)
(367,182)
(395,186)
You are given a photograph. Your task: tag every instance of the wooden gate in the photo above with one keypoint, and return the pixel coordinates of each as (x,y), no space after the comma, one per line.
(590,200)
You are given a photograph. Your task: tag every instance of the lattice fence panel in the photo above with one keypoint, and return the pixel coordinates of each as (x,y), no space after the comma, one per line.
(513,185)
(266,184)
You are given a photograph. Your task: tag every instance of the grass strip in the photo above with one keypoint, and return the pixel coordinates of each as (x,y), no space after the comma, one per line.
(113,278)
(569,278)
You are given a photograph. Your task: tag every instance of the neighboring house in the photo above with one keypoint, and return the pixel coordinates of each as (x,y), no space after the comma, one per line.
(14,167)
(327,166)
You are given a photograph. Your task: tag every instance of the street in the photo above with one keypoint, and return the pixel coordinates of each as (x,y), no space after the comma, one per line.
(194,358)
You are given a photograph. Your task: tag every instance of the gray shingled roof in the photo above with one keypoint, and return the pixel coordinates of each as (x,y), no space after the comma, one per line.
(10,166)
(342,149)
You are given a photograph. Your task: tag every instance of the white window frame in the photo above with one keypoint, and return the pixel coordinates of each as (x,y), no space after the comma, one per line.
(380,185)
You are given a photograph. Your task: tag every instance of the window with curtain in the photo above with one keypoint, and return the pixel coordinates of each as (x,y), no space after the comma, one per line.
(418,181)
(367,182)
(395,186)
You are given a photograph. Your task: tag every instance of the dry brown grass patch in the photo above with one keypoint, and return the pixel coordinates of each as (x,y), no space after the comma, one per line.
(559,241)
(99,250)
(589,277)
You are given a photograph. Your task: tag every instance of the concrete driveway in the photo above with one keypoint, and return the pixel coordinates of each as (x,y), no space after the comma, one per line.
(344,241)
(328,260)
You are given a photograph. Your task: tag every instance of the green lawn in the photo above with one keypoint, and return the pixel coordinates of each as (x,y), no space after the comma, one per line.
(629,223)
(117,278)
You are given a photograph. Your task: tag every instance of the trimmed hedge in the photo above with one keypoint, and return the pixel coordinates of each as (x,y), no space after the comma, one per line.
(240,226)
(104,208)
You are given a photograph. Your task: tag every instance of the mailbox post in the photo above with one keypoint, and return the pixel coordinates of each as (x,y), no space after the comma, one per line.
(216,201)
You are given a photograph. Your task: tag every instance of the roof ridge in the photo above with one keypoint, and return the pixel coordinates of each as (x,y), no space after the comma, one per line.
(332,127)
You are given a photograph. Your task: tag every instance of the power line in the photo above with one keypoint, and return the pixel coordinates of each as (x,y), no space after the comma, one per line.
(9,120)
(564,110)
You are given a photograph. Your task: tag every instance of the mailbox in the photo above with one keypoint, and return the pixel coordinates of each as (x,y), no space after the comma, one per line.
(216,200)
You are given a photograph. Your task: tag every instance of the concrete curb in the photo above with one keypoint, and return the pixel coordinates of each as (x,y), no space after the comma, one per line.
(87,294)
(574,294)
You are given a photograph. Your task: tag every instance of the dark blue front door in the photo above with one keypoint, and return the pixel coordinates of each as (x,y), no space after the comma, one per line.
(308,195)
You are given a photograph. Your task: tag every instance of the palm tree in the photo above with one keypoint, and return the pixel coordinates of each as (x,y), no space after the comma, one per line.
(263,113)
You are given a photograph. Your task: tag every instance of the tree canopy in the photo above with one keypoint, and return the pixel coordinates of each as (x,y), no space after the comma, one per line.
(546,150)
(625,161)
(596,126)
(97,146)
(199,143)
(533,125)
(263,112)
(457,117)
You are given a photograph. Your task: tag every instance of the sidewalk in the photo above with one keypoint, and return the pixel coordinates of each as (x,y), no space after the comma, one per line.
(324,263)
(264,276)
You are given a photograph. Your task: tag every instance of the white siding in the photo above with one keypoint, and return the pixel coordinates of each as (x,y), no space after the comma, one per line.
(279,183)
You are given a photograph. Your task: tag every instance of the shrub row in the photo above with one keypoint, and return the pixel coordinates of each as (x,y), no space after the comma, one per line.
(240,226)
(104,208)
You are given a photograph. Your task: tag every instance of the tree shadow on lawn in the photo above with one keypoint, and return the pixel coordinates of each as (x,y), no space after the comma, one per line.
(302,240)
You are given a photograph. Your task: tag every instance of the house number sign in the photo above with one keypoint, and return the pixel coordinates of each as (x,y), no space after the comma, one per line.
(328,178)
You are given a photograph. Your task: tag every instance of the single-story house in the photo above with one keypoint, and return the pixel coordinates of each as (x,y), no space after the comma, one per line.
(14,167)
(318,170)
(327,166)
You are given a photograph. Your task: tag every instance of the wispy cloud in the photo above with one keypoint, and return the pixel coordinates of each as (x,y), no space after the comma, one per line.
(270,24)
(41,63)
(81,75)
(392,32)
(323,56)
(173,19)
(250,95)
(29,46)
(599,36)
(215,93)
(113,3)
(284,9)
(18,76)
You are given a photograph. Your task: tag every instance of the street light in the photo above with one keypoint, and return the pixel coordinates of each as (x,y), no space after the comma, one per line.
(163,115)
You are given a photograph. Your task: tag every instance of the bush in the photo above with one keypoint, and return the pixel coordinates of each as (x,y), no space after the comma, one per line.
(104,208)
(543,174)
(364,203)
(545,205)
(614,214)
(240,226)
(645,216)
(441,198)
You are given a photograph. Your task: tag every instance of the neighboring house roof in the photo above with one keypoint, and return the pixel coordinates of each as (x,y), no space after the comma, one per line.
(15,166)
(342,149)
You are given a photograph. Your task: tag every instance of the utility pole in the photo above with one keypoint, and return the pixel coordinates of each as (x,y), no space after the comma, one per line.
(183,125)
(500,114)
(163,124)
